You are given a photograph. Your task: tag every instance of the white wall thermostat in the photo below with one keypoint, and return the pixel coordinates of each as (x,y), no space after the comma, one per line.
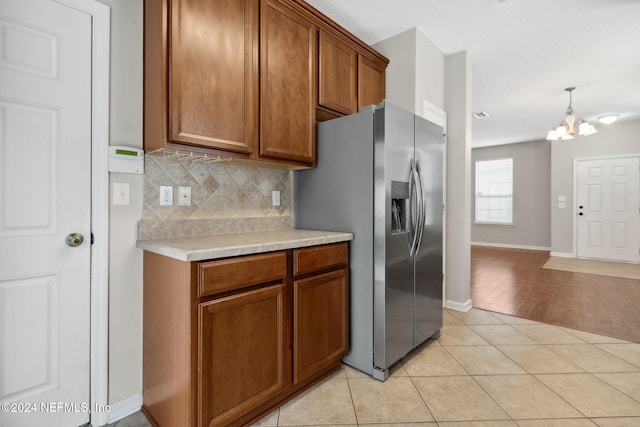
(126,159)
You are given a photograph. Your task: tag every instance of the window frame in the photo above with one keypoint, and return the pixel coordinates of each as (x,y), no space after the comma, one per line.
(475,195)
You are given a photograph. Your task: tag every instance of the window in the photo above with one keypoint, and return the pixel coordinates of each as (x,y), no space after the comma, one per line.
(494,191)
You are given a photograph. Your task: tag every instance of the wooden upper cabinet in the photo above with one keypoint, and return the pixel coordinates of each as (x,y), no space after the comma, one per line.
(337,75)
(213,74)
(371,81)
(287,83)
(250,78)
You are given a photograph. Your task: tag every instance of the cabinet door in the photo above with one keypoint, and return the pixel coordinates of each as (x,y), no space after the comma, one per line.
(371,82)
(337,77)
(287,83)
(241,359)
(320,322)
(213,74)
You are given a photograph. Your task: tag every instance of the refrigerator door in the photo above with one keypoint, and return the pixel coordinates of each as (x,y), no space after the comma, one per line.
(393,267)
(429,150)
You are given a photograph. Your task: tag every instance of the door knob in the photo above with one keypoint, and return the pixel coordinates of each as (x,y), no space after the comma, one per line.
(74,239)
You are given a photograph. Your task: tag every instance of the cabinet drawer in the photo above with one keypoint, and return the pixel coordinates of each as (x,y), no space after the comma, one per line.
(307,260)
(225,275)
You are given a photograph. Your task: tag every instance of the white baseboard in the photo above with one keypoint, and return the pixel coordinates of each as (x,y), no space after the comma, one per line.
(561,254)
(459,306)
(510,246)
(124,408)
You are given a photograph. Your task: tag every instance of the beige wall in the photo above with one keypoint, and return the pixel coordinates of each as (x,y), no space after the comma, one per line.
(531,196)
(618,138)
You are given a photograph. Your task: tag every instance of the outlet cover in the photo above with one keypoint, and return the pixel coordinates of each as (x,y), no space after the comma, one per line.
(166,195)
(275,198)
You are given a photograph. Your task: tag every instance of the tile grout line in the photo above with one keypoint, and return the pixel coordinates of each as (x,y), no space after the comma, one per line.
(420,394)
(523,368)
(353,403)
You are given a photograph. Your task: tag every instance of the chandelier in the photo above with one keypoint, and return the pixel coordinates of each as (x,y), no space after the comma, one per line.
(570,125)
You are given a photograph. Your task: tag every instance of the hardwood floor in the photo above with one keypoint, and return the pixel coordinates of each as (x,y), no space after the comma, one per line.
(512,281)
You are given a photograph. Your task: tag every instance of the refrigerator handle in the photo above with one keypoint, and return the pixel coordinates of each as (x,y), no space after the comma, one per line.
(414,201)
(422,209)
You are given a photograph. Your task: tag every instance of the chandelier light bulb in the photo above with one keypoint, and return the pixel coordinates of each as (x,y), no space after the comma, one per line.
(586,129)
(571,125)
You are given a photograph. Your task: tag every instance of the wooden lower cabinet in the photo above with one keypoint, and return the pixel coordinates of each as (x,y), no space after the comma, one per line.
(217,353)
(241,353)
(319,325)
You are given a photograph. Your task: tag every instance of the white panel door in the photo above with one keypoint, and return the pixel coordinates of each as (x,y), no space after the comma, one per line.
(45,194)
(608,209)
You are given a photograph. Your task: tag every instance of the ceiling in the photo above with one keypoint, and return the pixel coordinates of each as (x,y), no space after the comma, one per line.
(524,53)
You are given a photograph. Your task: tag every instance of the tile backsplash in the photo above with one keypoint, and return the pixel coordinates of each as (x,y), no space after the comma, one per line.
(219,190)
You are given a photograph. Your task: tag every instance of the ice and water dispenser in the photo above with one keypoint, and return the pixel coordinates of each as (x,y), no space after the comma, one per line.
(399,206)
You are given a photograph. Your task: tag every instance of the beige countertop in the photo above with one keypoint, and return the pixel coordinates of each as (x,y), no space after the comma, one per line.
(197,248)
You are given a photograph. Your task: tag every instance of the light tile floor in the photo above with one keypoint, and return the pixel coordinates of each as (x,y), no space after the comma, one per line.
(486,369)
(590,266)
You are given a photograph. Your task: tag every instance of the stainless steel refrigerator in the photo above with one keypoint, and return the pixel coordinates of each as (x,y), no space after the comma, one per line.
(379,175)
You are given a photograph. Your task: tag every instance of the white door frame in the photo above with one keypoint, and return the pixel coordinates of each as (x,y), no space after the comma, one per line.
(100,63)
(574,251)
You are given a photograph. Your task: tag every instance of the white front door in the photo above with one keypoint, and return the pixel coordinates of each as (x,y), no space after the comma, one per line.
(608,209)
(45,195)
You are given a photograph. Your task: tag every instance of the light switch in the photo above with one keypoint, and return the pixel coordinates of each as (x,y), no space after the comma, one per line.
(121,193)
(562,198)
(562,205)
(275,198)
(184,196)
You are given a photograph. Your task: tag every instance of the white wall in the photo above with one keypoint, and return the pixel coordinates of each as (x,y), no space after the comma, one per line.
(125,260)
(401,72)
(415,71)
(419,71)
(457,102)
(531,196)
(430,75)
(618,138)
